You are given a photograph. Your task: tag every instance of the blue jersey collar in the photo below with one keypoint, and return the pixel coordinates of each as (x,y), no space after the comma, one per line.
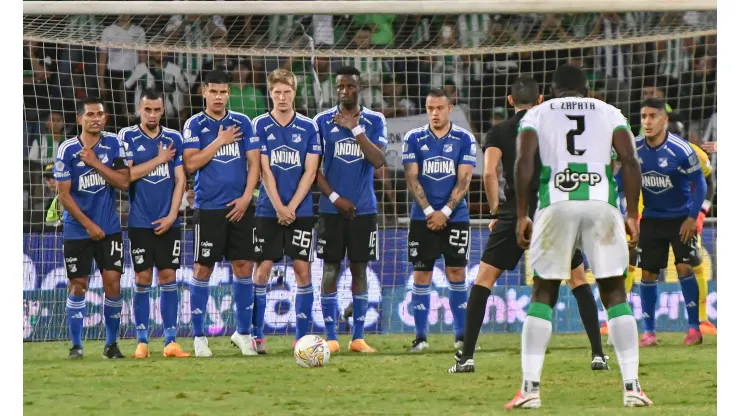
(295,114)
(429,128)
(157,136)
(226,114)
(665,140)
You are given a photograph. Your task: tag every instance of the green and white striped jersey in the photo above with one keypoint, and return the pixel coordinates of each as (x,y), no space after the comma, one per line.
(575,144)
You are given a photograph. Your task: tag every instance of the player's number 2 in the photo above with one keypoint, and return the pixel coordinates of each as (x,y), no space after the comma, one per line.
(302,239)
(571,136)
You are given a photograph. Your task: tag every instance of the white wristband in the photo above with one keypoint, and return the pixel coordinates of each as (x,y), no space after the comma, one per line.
(447,211)
(333,197)
(706,205)
(358,131)
(428,211)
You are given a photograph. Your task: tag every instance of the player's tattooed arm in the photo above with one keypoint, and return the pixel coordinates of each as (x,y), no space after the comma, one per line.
(412,183)
(464,176)
(64,189)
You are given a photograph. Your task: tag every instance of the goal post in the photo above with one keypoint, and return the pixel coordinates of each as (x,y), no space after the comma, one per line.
(629,49)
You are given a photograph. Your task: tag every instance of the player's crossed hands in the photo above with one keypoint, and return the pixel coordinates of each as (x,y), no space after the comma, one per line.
(229,135)
(286,215)
(165,155)
(436,221)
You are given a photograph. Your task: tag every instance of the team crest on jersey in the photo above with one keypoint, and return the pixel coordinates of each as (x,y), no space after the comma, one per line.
(447,148)
(159,174)
(438,168)
(296,138)
(663,162)
(227,153)
(656,183)
(569,181)
(103,158)
(91,182)
(348,151)
(285,158)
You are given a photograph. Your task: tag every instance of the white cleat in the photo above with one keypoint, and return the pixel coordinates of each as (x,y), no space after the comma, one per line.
(458,345)
(200,345)
(245,342)
(636,399)
(418,345)
(530,401)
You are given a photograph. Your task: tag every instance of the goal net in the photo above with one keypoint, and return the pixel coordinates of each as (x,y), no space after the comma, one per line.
(74,49)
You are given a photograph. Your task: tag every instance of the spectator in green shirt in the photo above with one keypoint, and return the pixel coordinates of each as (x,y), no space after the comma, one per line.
(244,97)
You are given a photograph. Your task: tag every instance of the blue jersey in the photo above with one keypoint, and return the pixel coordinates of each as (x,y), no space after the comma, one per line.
(150,198)
(667,174)
(95,197)
(287,148)
(438,160)
(346,170)
(224,178)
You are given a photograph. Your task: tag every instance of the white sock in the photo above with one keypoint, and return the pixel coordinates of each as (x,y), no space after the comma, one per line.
(623,333)
(535,337)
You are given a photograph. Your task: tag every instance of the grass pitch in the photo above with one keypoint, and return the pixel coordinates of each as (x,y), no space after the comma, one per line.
(681,380)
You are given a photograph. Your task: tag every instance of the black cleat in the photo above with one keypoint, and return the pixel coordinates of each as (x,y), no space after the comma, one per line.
(111,351)
(75,353)
(463,365)
(598,363)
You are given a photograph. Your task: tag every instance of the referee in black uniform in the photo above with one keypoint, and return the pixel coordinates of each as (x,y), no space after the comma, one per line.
(502,251)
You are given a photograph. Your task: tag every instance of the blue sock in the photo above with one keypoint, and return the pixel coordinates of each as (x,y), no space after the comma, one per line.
(421,299)
(359,309)
(303,306)
(329,310)
(141,312)
(243,288)
(168,300)
(459,306)
(75,317)
(112,313)
(260,304)
(690,289)
(198,306)
(649,296)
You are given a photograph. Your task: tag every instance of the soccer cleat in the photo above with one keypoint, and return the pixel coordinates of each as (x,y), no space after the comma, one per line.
(200,345)
(707,328)
(75,353)
(245,343)
(173,349)
(599,363)
(693,337)
(636,399)
(418,345)
(359,345)
(111,351)
(462,366)
(333,346)
(530,401)
(142,351)
(458,345)
(261,348)
(648,340)
(604,329)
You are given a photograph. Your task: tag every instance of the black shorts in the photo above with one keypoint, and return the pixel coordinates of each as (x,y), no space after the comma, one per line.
(656,235)
(275,240)
(425,246)
(357,238)
(502,249)
(216,236)
(79,255)
(149,249)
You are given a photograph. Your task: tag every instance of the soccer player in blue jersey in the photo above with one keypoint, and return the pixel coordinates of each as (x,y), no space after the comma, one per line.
(353,141)
(154,156)
(670,167)
(218,148)
(290,159)
(438,160)
(87,169)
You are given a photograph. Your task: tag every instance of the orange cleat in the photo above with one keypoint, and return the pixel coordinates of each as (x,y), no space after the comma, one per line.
(604,329)
(333,346)
(173,349)
(530,401)
(707,328)
(142,351)
(693,337)
(648,340)
(359,345)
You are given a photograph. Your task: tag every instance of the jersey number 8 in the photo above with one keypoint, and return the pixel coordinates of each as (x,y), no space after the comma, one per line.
(580,128)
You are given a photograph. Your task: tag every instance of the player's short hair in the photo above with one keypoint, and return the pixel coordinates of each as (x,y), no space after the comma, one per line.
(89,100)
(656,103)
(439,92)
(525,91)
(217,77)
(569,78)
(348,70)
(150,94)
(282,76)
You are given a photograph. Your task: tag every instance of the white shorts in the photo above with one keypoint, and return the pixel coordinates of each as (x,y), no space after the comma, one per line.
(595,227)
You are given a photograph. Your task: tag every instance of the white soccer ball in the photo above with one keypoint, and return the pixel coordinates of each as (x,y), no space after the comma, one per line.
(311,351)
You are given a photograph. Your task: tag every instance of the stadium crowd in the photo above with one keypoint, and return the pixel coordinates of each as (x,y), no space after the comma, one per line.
(56,75)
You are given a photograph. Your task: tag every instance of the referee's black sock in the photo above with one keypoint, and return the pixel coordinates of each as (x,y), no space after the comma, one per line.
(474,318)
(589,316)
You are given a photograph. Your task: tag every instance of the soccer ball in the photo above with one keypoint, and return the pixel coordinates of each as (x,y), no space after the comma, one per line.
(311,351)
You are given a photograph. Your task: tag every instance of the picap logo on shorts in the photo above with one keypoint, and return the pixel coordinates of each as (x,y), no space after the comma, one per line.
(569,181)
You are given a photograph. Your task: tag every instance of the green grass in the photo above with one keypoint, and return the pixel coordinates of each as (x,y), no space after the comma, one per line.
(681,380)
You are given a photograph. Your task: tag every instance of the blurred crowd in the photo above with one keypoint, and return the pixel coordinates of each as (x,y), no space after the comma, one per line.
(681,69)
